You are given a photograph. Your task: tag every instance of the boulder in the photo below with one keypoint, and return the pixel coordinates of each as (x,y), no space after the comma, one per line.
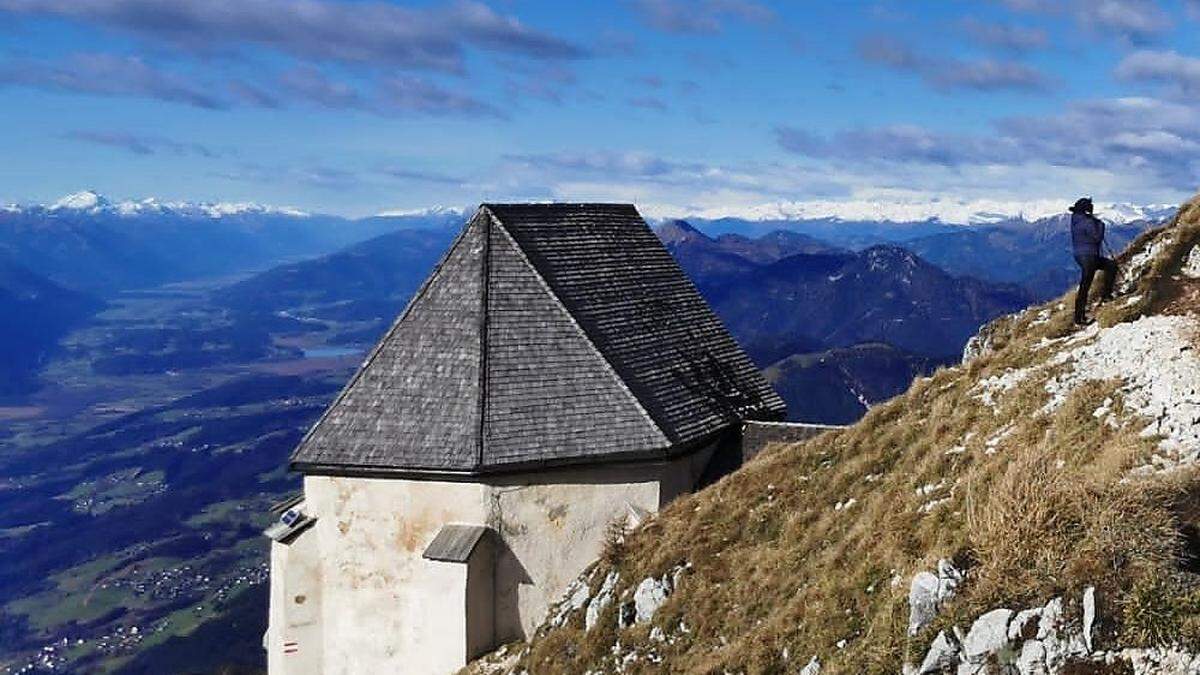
(942,654)
(649,596)
(928,592)
(1032,659)
(988,635)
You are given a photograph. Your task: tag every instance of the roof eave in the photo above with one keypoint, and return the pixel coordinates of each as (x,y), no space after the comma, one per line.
(441,473)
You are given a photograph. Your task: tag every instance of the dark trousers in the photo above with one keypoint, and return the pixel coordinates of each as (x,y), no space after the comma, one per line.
(1088,264)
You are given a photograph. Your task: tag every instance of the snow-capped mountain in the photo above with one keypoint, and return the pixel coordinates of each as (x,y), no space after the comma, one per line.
(89,242)
(429,212)
(91,202)
(947,211)
(81,201)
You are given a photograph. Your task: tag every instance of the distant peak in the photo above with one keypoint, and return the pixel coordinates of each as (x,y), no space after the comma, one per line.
(890,257)
(425,212)
(81,201)
(678,231)
(680,224)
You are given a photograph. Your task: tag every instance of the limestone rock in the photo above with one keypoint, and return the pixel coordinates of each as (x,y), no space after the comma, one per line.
(1191,264)
(574,598)
(1032,659)
(922,601)
(1025,620)
(942,654)
(813,667)
(649,596)
(928,592)
(988,635)
(1160,661)
(1089,615)
(977,345)
(604,596)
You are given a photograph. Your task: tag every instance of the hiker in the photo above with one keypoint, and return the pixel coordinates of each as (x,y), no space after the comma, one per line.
(1087,234)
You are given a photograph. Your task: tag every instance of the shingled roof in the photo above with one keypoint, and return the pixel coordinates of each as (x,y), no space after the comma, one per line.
(549,333)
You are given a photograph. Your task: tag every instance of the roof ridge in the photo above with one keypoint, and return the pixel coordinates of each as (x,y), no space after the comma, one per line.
(609,368)
(485,261)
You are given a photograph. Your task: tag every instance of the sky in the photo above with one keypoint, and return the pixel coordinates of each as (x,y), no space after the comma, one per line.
(684,107)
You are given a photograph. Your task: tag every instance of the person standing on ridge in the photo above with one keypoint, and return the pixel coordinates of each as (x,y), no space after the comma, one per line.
(1087,234)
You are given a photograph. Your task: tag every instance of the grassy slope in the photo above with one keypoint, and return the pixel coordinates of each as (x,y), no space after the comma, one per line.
(778,570)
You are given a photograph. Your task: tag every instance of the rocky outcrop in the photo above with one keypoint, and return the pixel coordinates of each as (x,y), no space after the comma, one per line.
(649,595)
(1042,641)
(978,344)
(638,604)
(928,592)
(603,599)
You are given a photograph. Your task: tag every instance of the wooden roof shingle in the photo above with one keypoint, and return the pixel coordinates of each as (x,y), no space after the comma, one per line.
(550,333)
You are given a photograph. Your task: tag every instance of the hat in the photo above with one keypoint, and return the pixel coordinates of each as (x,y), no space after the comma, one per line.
(1082,205)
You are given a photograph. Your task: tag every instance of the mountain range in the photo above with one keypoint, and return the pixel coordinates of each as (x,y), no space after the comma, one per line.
(1035,255)
(838,386)
(87,242)
(368,281)
(805,287)
(790,284)
(945,211)
(783,294)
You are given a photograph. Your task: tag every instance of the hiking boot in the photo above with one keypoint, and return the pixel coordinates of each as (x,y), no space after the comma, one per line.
(1084,321)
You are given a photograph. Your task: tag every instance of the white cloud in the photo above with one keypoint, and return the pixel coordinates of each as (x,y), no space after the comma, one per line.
(1164,67)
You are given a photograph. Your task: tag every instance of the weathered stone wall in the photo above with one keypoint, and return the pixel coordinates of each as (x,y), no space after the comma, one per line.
(756,436)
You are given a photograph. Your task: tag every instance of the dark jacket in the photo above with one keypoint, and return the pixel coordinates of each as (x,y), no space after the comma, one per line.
(1087,231)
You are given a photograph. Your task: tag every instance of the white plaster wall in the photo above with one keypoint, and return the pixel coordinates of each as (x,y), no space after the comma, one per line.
(277,612)
(295,612)
(552,525)
(386,608)
(551,531)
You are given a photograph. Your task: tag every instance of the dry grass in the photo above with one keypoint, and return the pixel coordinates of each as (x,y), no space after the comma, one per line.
(780,573)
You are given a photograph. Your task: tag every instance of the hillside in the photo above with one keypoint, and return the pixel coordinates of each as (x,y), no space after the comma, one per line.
(1034,508)
(881,294)
(371,280)
(837,386)
(35,313)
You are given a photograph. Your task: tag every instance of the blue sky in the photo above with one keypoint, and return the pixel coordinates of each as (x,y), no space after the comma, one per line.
(697,106)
